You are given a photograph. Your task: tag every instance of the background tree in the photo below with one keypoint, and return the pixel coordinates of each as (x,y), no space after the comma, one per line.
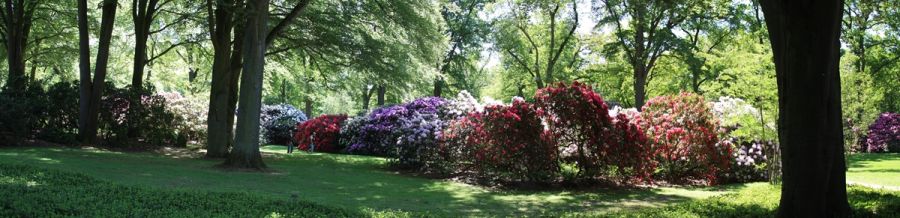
(467,31)
(18,17)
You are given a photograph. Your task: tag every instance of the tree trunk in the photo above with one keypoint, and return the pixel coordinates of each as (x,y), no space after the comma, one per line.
(805,38)
(438,84)
(86,134)
(366,98)
(308,107)
(220,118)
(640,82)
(17,26)
(90,112)
(381,92)
(245,153)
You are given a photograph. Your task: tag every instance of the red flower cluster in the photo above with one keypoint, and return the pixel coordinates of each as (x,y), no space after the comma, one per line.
(507,142)
(682,130)
(579,120)
(322,131)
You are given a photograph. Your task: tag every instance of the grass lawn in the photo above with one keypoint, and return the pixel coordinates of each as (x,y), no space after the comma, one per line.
(876,169)
(359,186)
(347,181)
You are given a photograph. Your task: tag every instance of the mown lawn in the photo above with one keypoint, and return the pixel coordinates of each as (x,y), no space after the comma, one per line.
(346,181)
(875,169)
(347,185)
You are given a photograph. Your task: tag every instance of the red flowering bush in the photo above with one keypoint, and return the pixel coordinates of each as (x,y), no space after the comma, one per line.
(682,131)
(579,120)
(507,143)
(320,133)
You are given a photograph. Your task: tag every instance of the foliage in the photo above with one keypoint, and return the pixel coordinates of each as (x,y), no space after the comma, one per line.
(23,111)
(321,133)
(749,161)
(509,143)
(33,192)
(580,122)
(61,123)
(884,134)
(682,130)
(742,120)
(150,122)
(277,122)
(191,112)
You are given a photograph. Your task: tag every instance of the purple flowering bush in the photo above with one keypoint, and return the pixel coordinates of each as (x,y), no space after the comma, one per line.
(405,132)
(884,134)
(277,122)
(750,160)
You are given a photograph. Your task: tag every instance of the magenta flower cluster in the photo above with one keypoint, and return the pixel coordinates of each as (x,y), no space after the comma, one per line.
(884,134)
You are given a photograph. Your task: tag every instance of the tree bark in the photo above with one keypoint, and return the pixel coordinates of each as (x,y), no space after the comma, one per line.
(438,85)
(640,83)
(366,98)
(381,92)
(17,16)
(223,93)
(308,107)
(805,42)
(245,153)
(93,90)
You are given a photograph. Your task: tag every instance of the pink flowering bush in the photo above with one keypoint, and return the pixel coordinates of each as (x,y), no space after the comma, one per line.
(682,131)
(884,134)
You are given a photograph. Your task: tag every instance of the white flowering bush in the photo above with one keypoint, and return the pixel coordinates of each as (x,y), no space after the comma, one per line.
(740,119)
(192,112)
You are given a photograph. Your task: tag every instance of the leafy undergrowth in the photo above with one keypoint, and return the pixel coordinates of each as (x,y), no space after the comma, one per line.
(762,201)
(31,192)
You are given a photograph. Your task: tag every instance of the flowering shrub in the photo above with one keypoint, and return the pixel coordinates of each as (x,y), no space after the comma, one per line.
(749,160)
(579,120)
(682,131)
(277,122)
(629,152)
(192,114)
(742,120)
(375,135)
(150,122)
(460,106)
(884,134)
(509,143)
(320,133)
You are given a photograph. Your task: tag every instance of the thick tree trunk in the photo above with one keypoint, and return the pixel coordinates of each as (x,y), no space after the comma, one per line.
(91,111)
(245,153)
(86,134)
(805,42)
(140,60)
(220,118)
(18,17)
(381,92)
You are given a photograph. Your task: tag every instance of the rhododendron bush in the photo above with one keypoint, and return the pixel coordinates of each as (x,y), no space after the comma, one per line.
(749,160)
(277,122)
(682,131)
(579,120)
(508,143)
(884,134)
(320,134)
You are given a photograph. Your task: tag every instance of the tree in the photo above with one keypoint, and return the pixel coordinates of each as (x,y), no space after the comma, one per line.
(643,29)
(805,37)
(526,43)
(466,31)
(90,91)
(17,16)
(257,37)
(226,69)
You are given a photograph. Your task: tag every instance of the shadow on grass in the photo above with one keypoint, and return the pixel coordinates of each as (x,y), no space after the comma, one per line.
(863,160)
(347,181)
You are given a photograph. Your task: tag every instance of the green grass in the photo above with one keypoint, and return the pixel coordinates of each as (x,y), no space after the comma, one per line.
(762,201)
(31,192)
(875,169)
(347,181)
